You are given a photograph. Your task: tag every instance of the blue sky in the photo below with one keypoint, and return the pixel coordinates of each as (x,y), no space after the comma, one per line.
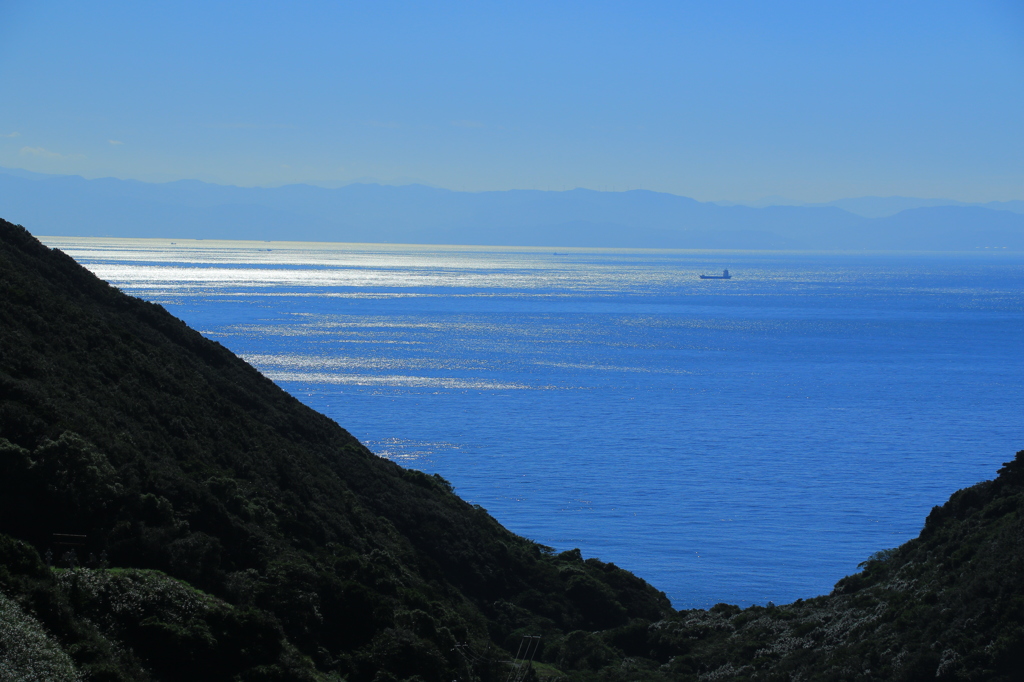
(716,100)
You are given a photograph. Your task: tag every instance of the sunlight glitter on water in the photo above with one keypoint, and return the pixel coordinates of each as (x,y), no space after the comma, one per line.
(737,441)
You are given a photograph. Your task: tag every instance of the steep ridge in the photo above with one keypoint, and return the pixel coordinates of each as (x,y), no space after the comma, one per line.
(119,423)
(222,530)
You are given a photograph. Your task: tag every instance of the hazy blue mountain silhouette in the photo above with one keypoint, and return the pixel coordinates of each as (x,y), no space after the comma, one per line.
(877,207)
(71,205)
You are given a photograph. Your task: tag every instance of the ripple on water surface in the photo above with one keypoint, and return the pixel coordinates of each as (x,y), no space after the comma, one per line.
(741,441)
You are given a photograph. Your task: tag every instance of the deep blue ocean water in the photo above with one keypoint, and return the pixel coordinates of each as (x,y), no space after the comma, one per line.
(738,441)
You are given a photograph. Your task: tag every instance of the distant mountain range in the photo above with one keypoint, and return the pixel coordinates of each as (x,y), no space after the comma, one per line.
(74,206)
(879,207)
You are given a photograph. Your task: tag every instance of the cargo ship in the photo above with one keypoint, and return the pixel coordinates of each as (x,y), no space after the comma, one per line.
(725,275)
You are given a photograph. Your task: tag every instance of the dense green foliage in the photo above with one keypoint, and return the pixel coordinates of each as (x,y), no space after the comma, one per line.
(232,533)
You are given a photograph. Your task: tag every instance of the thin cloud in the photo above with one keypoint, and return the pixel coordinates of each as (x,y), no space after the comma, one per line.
(14,134)
(467,124)
(42,153)
(39,151)
(115,142)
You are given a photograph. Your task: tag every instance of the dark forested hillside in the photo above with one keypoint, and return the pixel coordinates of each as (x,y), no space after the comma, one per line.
(201,522)
(119,423)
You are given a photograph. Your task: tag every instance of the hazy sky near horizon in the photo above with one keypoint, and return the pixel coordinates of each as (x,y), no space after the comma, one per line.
(715,100)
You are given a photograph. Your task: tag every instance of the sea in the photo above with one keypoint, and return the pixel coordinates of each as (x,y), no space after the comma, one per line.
(746,441)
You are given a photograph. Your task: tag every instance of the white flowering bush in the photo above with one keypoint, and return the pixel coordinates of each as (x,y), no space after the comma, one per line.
(146,620)
(128,596)
(27,652)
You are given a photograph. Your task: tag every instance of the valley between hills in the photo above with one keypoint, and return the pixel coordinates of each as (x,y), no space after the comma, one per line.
(167,512)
